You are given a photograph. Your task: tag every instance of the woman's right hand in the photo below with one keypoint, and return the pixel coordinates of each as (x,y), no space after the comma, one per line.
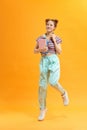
(38,50)
(45,49)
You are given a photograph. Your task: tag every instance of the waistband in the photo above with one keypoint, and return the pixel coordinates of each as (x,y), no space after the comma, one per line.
(48,54)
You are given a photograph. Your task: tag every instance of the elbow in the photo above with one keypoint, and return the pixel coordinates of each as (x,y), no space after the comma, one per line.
(59,51)
(34,51)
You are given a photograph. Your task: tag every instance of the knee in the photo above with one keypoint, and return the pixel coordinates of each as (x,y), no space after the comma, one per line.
(52,83)
(42,89)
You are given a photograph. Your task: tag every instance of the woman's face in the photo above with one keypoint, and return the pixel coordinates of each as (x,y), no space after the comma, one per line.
(50,26)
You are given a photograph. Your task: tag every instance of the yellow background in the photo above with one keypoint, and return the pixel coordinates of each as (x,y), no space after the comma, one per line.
(22,21)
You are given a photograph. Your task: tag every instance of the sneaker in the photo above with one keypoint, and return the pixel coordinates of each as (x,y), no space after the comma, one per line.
(42,115)
(65,99)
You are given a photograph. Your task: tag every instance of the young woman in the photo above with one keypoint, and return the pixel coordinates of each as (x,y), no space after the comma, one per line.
(49,65)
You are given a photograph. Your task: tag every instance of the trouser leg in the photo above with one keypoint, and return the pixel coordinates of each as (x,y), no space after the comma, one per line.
(43,83)
(42,97)
(59,87)
(53,80)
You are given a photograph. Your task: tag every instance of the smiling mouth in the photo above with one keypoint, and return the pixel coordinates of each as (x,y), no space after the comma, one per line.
(48,28)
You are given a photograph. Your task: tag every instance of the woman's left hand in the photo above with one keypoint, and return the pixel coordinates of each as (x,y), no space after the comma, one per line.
(53,37)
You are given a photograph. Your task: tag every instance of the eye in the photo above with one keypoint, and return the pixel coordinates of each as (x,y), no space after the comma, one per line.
(47,24)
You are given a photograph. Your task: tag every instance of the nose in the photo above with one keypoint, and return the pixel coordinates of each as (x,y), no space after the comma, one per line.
(48,26)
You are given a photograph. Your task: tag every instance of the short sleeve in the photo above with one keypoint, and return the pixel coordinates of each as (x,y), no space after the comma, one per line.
(37,39)
(58,40)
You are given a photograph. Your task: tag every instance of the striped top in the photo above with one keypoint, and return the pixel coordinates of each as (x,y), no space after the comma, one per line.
(50,44)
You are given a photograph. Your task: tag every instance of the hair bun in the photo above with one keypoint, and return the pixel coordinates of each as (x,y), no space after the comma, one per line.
(56,20)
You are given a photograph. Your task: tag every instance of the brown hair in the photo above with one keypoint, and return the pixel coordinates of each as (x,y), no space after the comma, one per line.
(54,20)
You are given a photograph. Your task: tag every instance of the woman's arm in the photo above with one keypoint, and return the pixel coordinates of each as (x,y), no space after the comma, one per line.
(36,49)
(57,45)
(39,49)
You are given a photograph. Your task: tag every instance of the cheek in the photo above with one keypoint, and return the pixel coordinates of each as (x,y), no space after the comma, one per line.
(46,27)
(53,27)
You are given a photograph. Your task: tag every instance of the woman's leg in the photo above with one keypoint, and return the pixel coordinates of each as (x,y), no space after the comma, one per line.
(43,88)
(54,78)
(43,83)
(42,97)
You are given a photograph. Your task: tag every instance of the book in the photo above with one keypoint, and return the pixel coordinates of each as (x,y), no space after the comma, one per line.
(42,43)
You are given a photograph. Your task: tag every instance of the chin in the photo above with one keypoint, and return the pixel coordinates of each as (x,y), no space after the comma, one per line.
(49,31)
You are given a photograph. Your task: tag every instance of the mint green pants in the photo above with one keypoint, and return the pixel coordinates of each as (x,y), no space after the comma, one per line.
(49,73)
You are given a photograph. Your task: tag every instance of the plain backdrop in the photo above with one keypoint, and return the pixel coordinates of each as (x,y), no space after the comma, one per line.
(21,22)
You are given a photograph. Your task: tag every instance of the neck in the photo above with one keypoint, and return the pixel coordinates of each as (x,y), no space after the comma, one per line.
(49,33)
